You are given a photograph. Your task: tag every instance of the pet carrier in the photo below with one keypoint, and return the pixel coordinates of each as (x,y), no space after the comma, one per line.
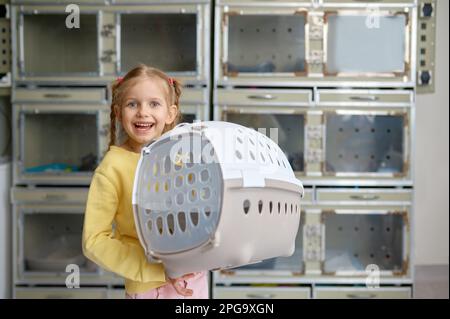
(215,195)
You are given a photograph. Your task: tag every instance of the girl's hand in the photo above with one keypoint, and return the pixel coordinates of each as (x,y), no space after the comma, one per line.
(179,284)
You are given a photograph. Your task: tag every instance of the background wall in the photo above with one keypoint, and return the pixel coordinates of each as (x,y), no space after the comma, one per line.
(432,157)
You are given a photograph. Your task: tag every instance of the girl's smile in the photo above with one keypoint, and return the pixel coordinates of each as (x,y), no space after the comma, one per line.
(143,127)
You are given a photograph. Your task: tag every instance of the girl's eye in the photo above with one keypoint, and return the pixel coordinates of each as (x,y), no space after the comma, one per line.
(132,104)
(154,104)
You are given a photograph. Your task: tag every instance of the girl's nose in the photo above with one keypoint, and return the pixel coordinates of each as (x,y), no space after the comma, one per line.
(142,112)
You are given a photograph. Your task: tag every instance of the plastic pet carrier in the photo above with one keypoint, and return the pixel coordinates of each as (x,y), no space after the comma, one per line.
(215,195)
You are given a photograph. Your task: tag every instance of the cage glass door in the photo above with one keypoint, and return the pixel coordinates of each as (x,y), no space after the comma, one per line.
(51,241)
(50,48)
(55,143)
(167,41)
(364,143)
(254,43)
(361,44)
(354,241)
(285,129)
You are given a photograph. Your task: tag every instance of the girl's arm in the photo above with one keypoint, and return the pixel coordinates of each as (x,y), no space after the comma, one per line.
(125,259)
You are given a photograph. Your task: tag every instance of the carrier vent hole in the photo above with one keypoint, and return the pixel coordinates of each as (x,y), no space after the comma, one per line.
(181,216)
(194,217)
(180,199)
(171,224)
(205,193)
(246,206)
(260,206)
(159,225)
(204,175)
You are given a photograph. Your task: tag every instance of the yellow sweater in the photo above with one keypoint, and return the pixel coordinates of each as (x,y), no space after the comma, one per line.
(109,201)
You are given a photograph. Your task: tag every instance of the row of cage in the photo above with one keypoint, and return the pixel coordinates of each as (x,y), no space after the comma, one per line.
(343,232)
(324,43)
(352,137)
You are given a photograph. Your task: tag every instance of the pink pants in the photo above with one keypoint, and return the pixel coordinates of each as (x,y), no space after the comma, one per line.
(199,285)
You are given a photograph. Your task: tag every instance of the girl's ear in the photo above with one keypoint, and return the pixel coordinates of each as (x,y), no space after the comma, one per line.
(172,114)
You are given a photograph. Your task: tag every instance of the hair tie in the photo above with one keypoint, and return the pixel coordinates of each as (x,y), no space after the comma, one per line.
(171,81)
(119,79)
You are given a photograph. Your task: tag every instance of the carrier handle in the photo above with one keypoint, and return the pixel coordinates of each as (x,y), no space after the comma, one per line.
(182,124)
(369,98)
(262,97)
(365,197)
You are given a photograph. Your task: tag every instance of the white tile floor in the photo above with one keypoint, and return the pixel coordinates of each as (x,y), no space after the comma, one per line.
(431,282)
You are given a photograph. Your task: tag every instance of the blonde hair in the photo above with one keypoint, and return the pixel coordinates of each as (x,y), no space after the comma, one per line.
(122,85)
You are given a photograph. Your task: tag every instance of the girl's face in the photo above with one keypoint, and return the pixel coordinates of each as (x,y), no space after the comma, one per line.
(145,113)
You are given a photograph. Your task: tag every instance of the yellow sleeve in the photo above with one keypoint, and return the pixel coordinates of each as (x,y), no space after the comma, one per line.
(125,259)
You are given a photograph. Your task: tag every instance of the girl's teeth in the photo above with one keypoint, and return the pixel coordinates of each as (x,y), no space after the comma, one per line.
(143,125)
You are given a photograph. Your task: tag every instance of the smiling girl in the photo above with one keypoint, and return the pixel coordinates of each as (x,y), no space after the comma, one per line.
(145,104)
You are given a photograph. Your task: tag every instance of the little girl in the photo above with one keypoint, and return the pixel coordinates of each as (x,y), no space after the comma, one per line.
(145,104)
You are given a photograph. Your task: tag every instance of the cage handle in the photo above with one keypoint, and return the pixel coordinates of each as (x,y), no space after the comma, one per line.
(365,197)
(361,296)
(262,97)
(55,197)
(369,98)
(261,296)
(57,96)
